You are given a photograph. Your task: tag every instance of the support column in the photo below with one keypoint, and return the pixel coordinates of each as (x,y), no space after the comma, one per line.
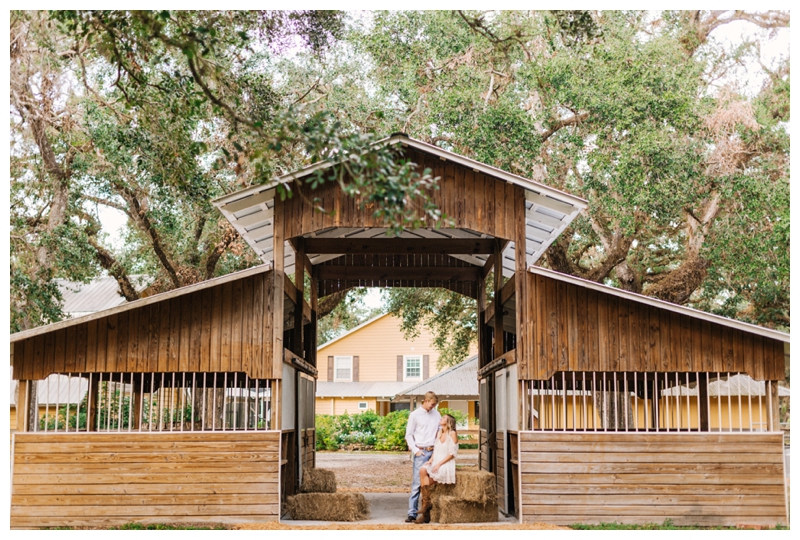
(91,419)
(498,307)
(277,291)
(774,411)
(702,385)
(299,283)
(23,406)
(482,356)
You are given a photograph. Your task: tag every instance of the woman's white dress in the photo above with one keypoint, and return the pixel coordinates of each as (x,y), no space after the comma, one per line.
(447,472)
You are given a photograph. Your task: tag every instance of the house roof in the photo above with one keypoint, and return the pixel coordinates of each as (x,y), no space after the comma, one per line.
(99,294)
(548,211)
(640,298)
(735,385)
(380,389)
(352,331)
(460,380)
(55,389)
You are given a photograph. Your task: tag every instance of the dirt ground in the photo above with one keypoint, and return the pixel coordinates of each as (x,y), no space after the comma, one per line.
(378,472)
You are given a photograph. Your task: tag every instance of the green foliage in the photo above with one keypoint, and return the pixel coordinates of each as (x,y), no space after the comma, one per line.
(166,527)
(667,525)
(391,434)
(460,416)
(362,431)
(325,425)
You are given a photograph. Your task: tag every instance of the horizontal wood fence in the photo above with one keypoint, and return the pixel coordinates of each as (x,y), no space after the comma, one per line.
(111,479)
(691,478)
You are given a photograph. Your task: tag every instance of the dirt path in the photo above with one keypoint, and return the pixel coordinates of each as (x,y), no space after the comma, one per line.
(382,472)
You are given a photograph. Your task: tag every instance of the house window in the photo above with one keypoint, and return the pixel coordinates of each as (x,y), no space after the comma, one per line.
(343,369)
(413,368)
(362,405)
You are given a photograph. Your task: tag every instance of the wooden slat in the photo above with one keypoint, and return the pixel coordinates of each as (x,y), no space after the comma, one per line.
(206,323)
(714,479)
(62,479)
(142,489)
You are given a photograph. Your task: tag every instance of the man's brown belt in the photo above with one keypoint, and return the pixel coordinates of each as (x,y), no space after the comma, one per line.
(426,448)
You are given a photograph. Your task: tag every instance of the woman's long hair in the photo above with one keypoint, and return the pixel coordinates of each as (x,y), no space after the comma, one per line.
(450,423)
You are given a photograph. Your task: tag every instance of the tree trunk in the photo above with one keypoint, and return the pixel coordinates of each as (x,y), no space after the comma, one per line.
(613,409)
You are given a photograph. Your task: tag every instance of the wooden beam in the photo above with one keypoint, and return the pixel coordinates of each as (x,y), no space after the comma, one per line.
(375,273)
(498,306)
(294,244)
(299,282)
(402,246)
(508,358)
(23,406)
(487,267)
(278,292)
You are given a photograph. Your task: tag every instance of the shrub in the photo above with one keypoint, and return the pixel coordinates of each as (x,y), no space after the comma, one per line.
(391,431)
(460,417)
(326,432)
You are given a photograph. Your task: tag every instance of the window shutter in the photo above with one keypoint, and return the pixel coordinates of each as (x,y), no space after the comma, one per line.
(355,369)
(330,368)
(426,369)
(399,368)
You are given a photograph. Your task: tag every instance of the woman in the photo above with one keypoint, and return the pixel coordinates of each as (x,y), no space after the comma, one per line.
(441,467)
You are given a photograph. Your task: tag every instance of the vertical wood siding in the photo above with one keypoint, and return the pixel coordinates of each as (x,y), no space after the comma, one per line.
(692,479)
(227,327)
(102,480)
(570,328)
(471,199)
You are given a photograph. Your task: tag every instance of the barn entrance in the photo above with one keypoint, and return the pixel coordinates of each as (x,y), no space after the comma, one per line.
(230,365)
(496,225)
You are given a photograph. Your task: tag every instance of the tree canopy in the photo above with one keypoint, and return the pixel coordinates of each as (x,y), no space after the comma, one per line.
(646,115)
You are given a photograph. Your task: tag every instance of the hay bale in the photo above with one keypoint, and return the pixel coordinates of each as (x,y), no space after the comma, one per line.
(471,485)
(454,510)
(327,507)
(318,481)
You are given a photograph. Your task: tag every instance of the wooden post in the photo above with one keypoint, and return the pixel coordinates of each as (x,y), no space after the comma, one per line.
(774,411)
(521,287)
(702,399)
(23,405)
(275,405)
(136,402)
(498,307)
(299,283)
(314,296)
(91,419)
(482,359)
(278,290)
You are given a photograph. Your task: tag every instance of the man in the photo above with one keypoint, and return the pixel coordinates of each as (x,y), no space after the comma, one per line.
(420,436)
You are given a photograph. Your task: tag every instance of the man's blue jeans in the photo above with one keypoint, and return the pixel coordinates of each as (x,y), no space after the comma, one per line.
(413,501)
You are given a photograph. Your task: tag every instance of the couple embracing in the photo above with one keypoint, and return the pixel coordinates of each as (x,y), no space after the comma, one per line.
(433,442)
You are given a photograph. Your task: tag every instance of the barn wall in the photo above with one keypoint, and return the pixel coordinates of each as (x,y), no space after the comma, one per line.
(102,479)
(573,328)
(471,199)
(223,328)
(692,479)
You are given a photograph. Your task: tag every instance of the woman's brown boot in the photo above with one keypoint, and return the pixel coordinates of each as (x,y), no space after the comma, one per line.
(424,515)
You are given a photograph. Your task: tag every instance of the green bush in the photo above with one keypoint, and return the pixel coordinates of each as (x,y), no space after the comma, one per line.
(326,430)
(460,417)
(362,430)
(391,431)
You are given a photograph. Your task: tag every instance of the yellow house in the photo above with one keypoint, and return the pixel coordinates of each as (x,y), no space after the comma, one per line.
(735,402)
(369,365)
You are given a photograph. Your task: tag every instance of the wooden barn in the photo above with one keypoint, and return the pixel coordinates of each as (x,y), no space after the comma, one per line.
(200,401)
